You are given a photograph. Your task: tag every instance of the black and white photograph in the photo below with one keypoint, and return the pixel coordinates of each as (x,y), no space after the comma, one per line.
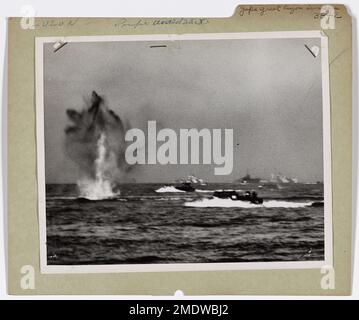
(183,152)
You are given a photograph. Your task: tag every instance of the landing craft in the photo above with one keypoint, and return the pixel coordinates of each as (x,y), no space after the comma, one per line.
(235,196)
(186,186)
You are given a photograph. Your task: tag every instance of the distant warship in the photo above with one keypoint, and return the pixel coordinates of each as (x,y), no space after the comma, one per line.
(281,178)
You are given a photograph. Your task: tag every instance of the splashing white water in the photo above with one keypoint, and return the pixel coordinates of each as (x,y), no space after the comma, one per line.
(209,191)
(228,203)
(166,189)
(101,187)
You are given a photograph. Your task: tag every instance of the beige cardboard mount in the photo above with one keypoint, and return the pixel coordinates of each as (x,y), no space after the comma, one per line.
(23,224)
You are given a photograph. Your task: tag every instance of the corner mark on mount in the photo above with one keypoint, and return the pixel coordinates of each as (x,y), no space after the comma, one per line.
(178,293)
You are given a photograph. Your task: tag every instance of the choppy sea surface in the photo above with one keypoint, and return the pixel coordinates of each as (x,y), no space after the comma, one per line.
(155,223)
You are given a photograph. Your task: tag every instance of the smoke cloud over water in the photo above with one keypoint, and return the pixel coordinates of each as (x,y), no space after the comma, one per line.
(95,141)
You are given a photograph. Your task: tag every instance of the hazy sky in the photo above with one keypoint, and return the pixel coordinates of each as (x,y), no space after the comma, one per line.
(267,91)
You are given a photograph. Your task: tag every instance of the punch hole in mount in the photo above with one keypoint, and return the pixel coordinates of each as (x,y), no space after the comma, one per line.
(59,44)
(314,50)
(179,294)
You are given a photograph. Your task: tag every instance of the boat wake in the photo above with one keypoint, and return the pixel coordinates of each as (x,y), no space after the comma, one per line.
(228,203)
(168,189)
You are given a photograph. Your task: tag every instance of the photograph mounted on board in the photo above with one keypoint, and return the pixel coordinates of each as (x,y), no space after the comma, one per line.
(184,152)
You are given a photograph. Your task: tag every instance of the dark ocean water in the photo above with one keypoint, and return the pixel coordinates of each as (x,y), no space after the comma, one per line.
(145,226)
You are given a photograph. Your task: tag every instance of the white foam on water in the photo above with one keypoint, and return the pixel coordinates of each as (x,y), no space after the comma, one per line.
(286,204)
(166,189)
(60,198)
(228,203)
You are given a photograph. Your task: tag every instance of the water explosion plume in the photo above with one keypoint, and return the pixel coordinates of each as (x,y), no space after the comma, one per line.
(95,141)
